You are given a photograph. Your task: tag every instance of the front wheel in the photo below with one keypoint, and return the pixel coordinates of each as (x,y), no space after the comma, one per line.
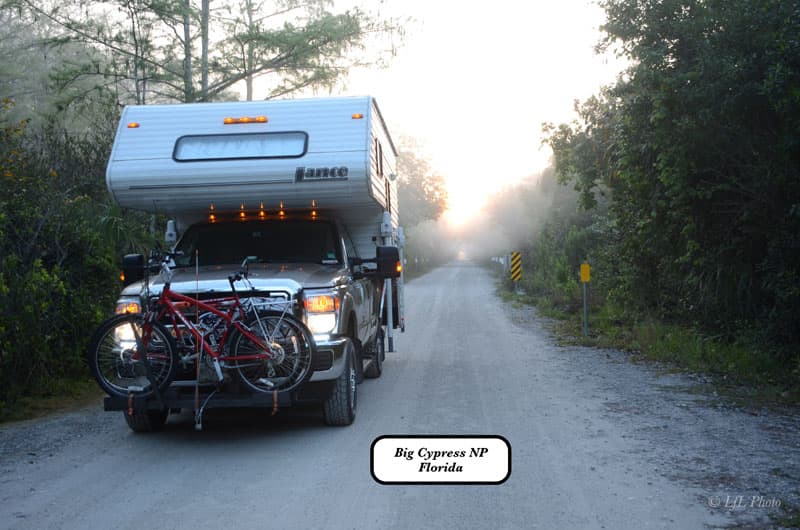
(279,359)
(128,356)
(340,407)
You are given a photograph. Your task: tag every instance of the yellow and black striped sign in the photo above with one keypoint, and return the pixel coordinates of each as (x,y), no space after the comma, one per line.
(516,266)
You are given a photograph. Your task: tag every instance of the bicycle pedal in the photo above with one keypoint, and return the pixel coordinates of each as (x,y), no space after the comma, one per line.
(266,382)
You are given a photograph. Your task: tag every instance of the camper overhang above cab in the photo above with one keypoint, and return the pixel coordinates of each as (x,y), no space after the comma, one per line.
(187,160)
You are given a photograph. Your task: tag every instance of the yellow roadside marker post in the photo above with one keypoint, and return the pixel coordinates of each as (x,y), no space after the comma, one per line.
(516,269)
(585,277)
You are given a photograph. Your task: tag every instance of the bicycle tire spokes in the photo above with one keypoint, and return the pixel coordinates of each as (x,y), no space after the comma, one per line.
(127,358)
(289,359)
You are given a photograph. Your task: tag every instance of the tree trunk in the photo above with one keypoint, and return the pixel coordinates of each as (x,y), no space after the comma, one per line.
(188,95)
(204,48)
(250,53)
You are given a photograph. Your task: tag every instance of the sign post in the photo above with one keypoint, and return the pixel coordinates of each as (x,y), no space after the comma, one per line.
(585,278)
(516,269)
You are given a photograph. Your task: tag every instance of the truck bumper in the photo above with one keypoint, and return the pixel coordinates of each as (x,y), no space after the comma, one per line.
(329,361)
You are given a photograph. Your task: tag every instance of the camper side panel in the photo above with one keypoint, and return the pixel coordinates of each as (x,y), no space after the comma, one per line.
(383,164)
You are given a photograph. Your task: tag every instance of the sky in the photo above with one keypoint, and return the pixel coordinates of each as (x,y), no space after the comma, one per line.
(473,82)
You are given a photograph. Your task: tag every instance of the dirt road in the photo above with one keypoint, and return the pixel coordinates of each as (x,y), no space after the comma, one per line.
(597,442)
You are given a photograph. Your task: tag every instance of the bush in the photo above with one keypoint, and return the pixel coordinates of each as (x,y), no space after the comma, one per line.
(58,255)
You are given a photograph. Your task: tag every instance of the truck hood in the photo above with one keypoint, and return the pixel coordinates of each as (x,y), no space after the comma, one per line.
(286,277)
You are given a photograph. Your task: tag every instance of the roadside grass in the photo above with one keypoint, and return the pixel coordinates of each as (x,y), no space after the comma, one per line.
(790,517)
(742,370)
(66,395)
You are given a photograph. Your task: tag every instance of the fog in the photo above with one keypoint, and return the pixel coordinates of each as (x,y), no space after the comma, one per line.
(513,217)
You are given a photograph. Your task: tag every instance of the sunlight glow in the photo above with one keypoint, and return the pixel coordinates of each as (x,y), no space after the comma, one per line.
(476,92)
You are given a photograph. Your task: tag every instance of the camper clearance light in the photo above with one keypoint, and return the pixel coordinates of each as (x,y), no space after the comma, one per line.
(245,119)
(358,116)
(133,125)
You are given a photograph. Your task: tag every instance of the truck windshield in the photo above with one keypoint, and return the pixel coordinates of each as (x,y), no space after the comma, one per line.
(285,241)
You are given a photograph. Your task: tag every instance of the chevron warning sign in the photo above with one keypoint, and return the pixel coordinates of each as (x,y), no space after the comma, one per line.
(516,266)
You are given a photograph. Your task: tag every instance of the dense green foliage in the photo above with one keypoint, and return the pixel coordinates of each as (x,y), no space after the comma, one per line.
(59,239)
(697,147)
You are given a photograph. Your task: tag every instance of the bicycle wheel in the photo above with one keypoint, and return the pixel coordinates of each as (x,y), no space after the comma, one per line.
(285,366)
(117,359)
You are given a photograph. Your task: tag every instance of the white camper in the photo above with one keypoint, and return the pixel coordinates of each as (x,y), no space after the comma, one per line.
(190,160)
(233,176)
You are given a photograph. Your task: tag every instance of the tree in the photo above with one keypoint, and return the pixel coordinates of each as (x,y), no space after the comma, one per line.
(698,145)
(150,47)
(423,194)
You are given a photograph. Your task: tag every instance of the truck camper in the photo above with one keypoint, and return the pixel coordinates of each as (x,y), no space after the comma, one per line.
(296,202)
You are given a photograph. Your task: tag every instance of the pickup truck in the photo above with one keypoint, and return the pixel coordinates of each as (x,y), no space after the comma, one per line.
(303,191)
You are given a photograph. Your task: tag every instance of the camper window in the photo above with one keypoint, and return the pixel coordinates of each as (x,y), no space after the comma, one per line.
(240,146)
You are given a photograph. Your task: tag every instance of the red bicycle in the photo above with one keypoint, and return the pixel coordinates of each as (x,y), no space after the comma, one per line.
(259,340)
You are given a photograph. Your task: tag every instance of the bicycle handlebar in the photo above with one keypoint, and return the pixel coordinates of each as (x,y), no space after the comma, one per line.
(166,259)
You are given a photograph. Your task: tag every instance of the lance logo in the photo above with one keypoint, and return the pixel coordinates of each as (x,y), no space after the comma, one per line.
(321,173)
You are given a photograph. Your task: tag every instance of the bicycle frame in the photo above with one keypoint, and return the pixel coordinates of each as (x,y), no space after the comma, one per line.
(167,306)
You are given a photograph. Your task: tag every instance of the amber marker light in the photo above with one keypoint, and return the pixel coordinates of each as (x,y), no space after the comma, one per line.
(242,213)
(245,119)
(322,304)
(261,213)
(127,308)
(358,116)
(133,125)
(399,267)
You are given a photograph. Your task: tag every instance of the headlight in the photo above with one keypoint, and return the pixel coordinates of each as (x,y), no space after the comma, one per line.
(127,307)
(125,336)
(321,313)
(322,323)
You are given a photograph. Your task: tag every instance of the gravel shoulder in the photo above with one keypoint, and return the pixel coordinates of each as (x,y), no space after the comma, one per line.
(742,462)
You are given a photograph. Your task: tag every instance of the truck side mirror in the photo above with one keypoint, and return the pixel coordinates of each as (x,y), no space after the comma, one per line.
(132,268)
(388,261)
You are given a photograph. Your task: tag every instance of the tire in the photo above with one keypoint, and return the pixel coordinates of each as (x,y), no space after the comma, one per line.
(375,368)
(289,370)
(146,420)
(115,359)
(340,408)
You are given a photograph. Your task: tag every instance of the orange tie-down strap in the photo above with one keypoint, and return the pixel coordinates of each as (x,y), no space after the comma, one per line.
(274,402)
